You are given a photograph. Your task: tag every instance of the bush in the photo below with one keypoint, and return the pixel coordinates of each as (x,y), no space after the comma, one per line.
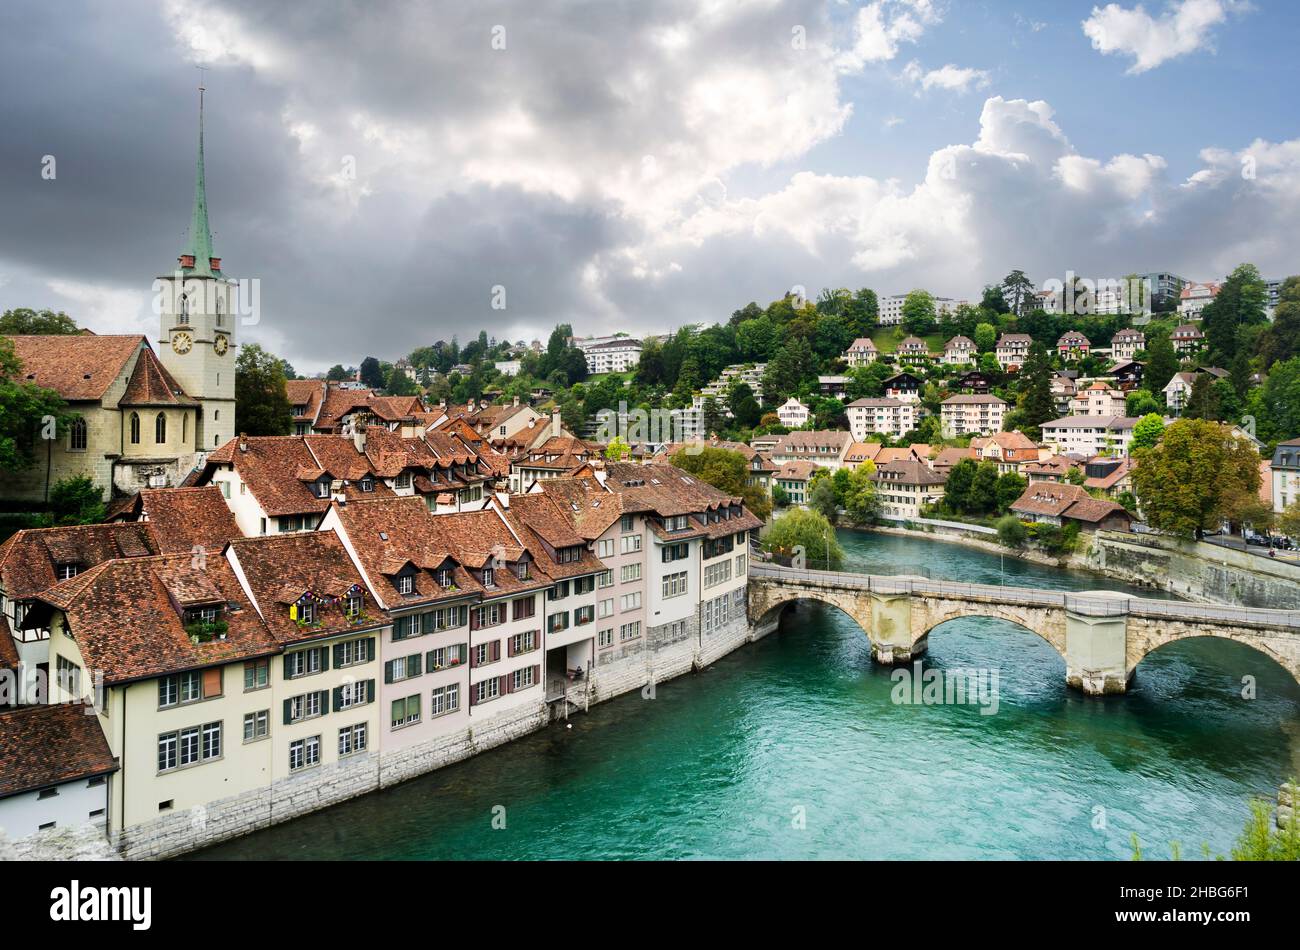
(1012,532)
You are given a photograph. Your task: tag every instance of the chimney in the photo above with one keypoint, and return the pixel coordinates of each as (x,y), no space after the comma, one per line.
(442,404)
(557,429)
(243,442)
(516,402)
(359,438)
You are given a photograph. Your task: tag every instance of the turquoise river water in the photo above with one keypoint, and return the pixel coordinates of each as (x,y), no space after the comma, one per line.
(793,748)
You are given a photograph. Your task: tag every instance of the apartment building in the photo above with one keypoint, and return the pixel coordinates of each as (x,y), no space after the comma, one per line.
(1073,346)
(1012,350)
(906,487)
(967,415)
(792,413)
(960,351)
(1188,340)
(1194,298)
(913,351)
(1089,436)
(892,417)
(1285,472)
(1098,399)
(617,355)
(1010,451)
(1126,344)
(862,352)
(825,448)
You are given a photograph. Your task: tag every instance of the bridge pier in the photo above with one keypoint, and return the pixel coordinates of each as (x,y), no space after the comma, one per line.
(1096,648)
(892,640)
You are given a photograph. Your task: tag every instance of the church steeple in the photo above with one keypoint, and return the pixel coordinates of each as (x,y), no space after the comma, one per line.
(197,260)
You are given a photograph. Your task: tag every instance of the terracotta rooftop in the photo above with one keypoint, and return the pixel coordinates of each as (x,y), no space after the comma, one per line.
(907,472)
(29,558)
(48,745)
(125,621)
(309,393)
(151,385)
(269,466)
(1065,501)
(78,367)
(185,518)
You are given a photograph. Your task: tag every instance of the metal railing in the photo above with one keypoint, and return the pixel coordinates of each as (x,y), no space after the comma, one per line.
(1089,605)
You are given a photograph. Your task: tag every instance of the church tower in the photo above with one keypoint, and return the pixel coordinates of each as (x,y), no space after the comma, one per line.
(197,323)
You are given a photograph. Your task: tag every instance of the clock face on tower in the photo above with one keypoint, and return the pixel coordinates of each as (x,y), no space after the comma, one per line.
(221,345)
(181,342)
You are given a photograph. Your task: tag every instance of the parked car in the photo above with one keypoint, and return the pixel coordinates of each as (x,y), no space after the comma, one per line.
(1282,543)
(1256,539)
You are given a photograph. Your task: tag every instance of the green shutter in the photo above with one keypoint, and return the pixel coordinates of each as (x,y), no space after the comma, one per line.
(370,649)
(370,691)
(338,698)
(324,658)
(388,671)
(413,665)
(288,711)
(338,655)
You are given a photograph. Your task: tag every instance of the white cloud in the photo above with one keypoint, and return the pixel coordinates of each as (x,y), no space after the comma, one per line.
(882,26)
(1185,27)
(949,77)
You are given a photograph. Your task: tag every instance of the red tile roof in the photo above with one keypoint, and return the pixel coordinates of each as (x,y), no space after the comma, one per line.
(151,385)
(79,367)
(48,745)
(29,558)
(185,518)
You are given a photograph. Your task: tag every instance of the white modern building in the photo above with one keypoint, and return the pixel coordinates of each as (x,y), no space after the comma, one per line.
(892,417)
(971,415)
(793,414)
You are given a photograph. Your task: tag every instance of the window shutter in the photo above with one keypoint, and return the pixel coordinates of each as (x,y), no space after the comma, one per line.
(338,698)
(473,660)
(510,646)
(496,650)
(324,700)
(288,711)
(473,695)
(288,667)
(507,684)
(338,655)
(388,671)
(212,682)
(370,691)
(428,662)
(324,658)
(413,665)
(474,619)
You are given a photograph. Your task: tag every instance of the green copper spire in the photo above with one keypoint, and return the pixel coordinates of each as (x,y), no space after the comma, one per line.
(200,243)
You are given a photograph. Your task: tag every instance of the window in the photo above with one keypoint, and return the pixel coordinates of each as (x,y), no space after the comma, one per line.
(605,608)
(402,481)
(445,699)
(584,585)
(188,687)
(523,643)
(352,739)
(605,548)
(630,572)
(135,428)
(65,571)
(489,579)
(523,607)
(351,695)
(559,591)
(631,601)
(77,435)
(630,543)
(629,631)
(740,565)
(674,585)
(489,615)
(306,706)
(444,657)
(626,523)
(306,662)
(367,484)
(403,668)
(189,746)
(352,606)
(584,615)
(405,711)
(605,638)
(405,583)
(676,552)
(257,725)
(304,753)
(605,579)
(569,555)
(160,428)
(557,622)
(487,690)
(521,570)
(306,612)
(715,574)
(353,652)
(257,675)
(524,678)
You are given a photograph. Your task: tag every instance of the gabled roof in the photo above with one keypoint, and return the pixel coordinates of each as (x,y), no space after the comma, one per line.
(124,617)
(151,385)
(280,569)
(269,465)
(910,471)
(29,558)
(185,518)
(1066,501)
(306,392)
(47,745)
(79,367)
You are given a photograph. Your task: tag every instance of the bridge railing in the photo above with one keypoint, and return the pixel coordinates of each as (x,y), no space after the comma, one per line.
(1093,606)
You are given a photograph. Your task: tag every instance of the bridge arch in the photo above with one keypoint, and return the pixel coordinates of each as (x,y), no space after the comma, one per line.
(765,609)
(1150,638)
(1049,626)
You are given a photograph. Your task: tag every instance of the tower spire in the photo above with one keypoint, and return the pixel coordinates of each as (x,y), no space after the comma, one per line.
(200,243)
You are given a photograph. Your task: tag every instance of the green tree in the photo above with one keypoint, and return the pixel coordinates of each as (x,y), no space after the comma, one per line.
(399,384)
(1018,292)
(371,373)
(983,497)
(919,312)
(337,373)
(261,402)
(744,407)
(823,499)
(986,337)
(1011,532)
(1281,341)
(618,449)
(727,471)
(1140,402)
(22,321)
(1010,487)
(1199,475)
(76,500)
(1288,522)
(1036,403)
(780,497)
(1147,432)
(1276,405)
(29,414)
(957,490)
(1241,303)
(1162,363)
(809,530)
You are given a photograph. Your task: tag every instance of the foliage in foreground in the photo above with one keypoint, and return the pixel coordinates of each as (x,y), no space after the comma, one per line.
(810,530)
(1260,839)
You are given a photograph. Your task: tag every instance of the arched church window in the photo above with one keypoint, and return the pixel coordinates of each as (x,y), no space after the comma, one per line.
(221,317)
(77,435)
(135,428)
(185,306)
(185,427)
(160,428)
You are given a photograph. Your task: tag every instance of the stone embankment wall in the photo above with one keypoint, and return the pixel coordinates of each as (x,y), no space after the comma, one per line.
(655,659)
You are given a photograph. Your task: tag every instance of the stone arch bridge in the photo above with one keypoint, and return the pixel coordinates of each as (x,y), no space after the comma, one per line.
(1102,636)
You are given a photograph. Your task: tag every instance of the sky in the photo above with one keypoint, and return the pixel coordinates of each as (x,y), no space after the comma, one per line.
(395,173)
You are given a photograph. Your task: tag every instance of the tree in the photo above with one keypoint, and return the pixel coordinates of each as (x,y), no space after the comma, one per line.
(371,374)
(744,407)
(618,449)
(983,497)
(1011,532)
(76,500)
(919,312)
(1162,363)
(1036,403)
(860,499)
(261,403)
(791,366)
(810,531)
(780,497)
(1010,487)
(986,337)
(822,498)
(337,373)
(1281,341)
(1147,432)
(399,384)
(29,414)
(993,300)
(727,471)
(1199,475)
(957,490)
(1140,403)
(1288,522)
(24,322)
(1241,303)
(1018,293)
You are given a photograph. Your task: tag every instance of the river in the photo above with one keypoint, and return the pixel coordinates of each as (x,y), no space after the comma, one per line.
(793,748)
